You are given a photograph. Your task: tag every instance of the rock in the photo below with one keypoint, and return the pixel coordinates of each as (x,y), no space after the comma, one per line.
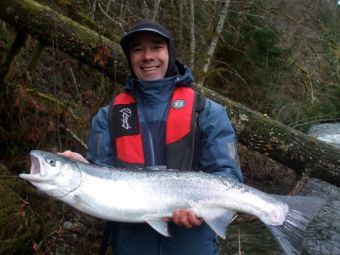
(323,234)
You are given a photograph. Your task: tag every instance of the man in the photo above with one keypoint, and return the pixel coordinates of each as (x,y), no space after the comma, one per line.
(160,121)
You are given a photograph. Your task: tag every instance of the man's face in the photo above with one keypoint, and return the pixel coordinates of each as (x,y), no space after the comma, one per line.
(149,56)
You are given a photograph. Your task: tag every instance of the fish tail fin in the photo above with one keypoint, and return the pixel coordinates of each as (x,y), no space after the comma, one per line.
(290,234)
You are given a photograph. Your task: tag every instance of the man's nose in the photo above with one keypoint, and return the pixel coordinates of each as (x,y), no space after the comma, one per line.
(148,54)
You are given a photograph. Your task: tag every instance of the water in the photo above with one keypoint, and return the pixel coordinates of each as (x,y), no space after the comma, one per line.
(323,234)
(327,132)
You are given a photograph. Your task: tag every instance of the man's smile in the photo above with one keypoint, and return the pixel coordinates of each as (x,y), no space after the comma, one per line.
(150,68)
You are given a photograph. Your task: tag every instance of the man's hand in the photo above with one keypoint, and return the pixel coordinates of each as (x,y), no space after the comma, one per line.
(73,155)
(186,218)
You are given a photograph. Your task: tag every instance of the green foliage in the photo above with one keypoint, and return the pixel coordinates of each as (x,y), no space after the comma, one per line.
(250,58)
(270,64)
(262,48)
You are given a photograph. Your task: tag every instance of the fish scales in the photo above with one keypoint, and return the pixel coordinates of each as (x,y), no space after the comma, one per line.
(147,190)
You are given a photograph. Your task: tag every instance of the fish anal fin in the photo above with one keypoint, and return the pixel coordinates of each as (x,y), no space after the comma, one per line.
(160,226)
(218,220)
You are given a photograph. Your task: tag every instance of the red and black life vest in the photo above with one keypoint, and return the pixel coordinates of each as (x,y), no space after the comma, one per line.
(182,130)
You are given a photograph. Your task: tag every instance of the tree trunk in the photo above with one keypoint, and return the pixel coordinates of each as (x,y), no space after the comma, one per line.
(76,40)
(156,9)
(17,45)
(214,41)
(257,131)
(192,35)
(300,152)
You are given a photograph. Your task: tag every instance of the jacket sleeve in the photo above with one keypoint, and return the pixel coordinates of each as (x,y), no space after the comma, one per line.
(100,149)
(218,145)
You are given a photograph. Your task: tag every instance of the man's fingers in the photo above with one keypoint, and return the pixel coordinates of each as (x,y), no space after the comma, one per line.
(193,219)
(73,155)
(167,219)
(180,218)
(186,218)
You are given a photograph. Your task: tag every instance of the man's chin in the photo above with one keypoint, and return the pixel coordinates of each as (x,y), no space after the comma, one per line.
(150,77)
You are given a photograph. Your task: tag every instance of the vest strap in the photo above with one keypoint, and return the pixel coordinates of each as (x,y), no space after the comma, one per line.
(178,123)
(126,130)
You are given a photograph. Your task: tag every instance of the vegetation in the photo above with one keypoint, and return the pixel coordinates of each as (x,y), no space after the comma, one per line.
(284,57)
(277,57)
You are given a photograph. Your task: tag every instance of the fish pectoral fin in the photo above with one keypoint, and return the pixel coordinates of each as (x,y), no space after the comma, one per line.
(218,220)
(160,226)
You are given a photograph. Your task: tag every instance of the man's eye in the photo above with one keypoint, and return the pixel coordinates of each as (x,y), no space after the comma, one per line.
(136,49)
(159,46)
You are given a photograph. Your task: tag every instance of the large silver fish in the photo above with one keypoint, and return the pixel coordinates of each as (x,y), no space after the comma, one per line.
(150,196)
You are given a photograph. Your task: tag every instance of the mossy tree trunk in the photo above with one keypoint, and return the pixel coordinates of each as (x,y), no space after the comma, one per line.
(300,152)
(78,41)
(257,131)
(17,45)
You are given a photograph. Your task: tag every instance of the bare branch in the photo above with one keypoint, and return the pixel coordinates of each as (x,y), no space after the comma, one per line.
(155,12)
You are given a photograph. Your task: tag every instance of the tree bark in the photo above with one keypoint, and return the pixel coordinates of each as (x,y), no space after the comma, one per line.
(300,152)
(214,41)
(18,43)
(192,35)
(74,39)
(258,132)
(156,9)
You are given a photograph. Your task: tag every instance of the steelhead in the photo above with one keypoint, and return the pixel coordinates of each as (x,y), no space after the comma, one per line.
(142,195)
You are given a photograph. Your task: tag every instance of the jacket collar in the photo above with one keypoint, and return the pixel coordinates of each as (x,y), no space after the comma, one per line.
(157,91)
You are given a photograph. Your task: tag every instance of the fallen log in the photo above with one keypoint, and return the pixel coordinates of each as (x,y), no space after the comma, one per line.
(257,131)
(298,151)
(56,30)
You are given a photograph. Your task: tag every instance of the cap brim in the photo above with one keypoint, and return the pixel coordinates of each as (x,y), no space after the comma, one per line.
(127,37)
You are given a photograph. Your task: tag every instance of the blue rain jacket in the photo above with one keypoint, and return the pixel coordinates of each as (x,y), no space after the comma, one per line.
(218,155)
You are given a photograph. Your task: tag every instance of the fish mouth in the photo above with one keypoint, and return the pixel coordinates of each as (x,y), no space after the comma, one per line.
(36,173)
(35,166)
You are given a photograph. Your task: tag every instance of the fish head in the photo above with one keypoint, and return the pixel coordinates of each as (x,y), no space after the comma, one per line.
(53,174)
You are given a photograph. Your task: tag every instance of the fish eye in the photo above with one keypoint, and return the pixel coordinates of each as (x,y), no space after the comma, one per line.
(51,162)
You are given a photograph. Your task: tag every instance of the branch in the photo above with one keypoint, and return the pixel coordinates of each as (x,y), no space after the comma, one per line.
(54,101)
(156,9)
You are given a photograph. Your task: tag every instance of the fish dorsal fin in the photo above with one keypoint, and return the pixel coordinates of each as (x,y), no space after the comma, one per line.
(160,226)
(219,220)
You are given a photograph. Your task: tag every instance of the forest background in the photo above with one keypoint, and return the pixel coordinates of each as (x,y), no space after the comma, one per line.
(280,58)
